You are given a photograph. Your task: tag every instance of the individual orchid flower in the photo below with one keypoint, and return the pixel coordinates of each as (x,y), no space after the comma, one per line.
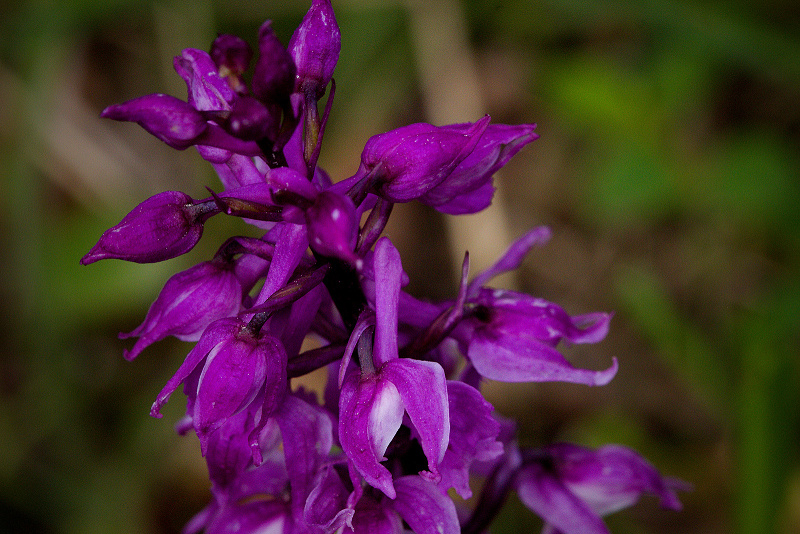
(235,366)
(512,338)
(374,400)
(506,335)
(572,487)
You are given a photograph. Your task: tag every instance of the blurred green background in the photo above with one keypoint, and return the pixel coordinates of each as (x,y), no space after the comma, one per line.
(668,168)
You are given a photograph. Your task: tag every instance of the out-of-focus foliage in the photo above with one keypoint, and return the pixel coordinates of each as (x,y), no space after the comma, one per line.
(669,168)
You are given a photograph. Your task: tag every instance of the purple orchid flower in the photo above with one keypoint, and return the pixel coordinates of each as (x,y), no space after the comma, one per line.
(402,420)
(512,337)
(235,366)
(571,487)
(374,399)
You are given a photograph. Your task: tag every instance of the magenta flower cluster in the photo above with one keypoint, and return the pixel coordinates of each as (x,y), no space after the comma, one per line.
(402,425)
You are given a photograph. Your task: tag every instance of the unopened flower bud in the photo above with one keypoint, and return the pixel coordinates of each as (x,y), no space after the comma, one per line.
(232,55)
(162,227)
(172,120)
(315,47)
(408,162)
(273,77)
(250,120)
(333,226)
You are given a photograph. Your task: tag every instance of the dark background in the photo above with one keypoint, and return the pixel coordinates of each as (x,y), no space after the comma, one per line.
(667,168)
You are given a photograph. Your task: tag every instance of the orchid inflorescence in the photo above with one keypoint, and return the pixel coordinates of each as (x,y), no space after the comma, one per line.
(402,425)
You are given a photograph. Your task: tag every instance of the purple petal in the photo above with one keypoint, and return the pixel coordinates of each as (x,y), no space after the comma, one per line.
(512,313)
(366,319)
(253,516)
(498,144)
(589,328)
(208,91)
(326,506)
(423,390)
(228,451)
(469,202)
(250,120)
(237,171)
(307,435)
(473,436)
(234,373)
(375,518)
(284,180)
(216,333)
(289,249)
(509,359)
(424,507)
(370,413)
(388,274)
(512,258)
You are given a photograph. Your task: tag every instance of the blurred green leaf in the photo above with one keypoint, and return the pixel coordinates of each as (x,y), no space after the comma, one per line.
(678,340)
